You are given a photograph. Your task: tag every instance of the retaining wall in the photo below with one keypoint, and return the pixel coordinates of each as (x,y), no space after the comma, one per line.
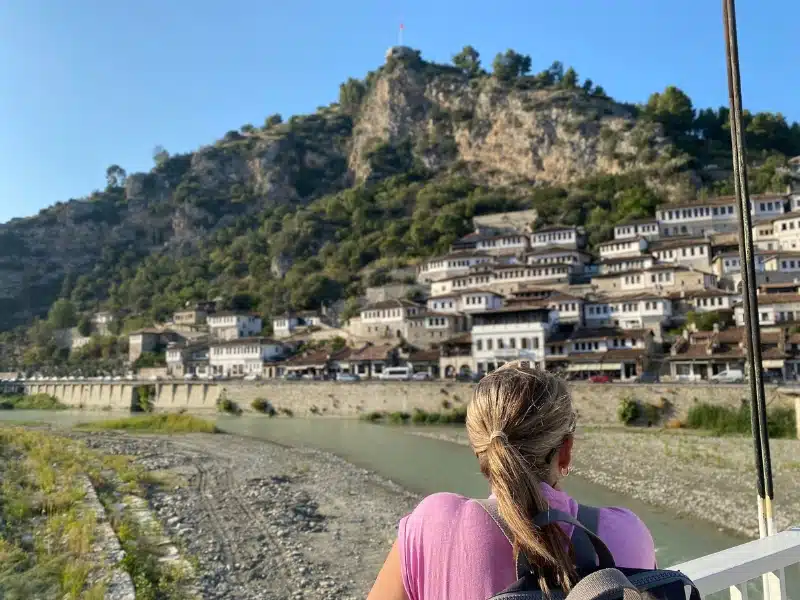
(596,403)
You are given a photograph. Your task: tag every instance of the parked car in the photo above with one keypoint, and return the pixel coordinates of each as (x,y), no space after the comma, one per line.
(190,376)
(401,373)
(347,377)
(421,376)
(252,377)
(291,376)
(728,376)
(600,379)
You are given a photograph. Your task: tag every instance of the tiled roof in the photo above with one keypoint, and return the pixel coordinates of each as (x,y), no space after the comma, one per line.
(770,299)
(462,339)
(638,238)
(678,242)
(379,352)
(385,304)
(637,222)
(245,341)
(553,250)
(314,358)
(624,259)
(424,356)
(550,228)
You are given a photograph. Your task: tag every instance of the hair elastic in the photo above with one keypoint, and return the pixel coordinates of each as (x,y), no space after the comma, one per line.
(498,434)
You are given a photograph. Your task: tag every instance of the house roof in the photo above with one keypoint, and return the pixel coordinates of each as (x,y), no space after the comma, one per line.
(631,240)
(678,242)
(313,358)
(233,313)
(551,228)
(597,333)
(655,267)
(247,341)
(606,298)
(637,222)
(461,254)
(624,259)
(463,339)
(554,250)
(385,304)
(718,201)
(770,299)
(424,356)
(379,352)
(615,354)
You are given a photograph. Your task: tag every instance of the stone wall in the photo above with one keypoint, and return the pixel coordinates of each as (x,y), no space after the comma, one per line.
(596,403)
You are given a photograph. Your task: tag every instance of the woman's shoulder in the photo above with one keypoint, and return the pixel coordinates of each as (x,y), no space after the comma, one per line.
(442,504)
(628,538)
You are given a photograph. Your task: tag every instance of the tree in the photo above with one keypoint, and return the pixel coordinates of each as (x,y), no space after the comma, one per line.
(115,176)
(85,326)
(351,94)
(673,109)
(511,65)
(570,79)
(62,315)
(468,60)
(160,156)
(272,121)
(247,128)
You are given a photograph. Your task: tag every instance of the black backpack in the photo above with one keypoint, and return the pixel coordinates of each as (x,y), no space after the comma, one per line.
(599,578)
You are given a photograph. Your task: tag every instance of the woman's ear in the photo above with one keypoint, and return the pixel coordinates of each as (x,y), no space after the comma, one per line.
(565,453)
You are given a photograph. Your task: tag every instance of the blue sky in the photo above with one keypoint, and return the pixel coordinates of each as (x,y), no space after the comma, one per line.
(88,83)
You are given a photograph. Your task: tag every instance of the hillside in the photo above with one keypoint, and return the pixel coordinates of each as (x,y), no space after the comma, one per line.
(310,210)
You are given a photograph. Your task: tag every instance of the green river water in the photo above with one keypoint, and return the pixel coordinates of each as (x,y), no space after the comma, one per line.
(425,465)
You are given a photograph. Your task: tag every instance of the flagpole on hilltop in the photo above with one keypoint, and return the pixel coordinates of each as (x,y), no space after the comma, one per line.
(758,409)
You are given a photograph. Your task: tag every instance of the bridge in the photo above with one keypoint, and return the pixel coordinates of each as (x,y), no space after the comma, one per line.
(127,394)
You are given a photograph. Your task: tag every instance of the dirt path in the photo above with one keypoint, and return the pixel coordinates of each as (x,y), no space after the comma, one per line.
(269,522)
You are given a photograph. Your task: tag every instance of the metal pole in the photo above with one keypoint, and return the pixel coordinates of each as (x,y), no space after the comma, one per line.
(758,411)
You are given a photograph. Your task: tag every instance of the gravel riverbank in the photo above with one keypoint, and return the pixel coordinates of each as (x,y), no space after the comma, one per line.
(264,521)
(705,477)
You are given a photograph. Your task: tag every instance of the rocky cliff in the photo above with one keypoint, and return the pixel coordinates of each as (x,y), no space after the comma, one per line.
(408,115)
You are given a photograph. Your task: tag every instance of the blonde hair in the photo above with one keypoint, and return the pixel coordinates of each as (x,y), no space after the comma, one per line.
(517,420)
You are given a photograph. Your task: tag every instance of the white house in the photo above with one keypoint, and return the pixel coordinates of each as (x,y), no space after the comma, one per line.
(621,354)
(480,276)
(625,263)
(508,334)
(451,265)
(636,311)
(623,248)
(714,215)
(557,255)
(692,252)
(243,356)
(773,309)
(387,319)
(646,228)
(786,230)
(504,243)
(712,300)
(465,302)
(233,325)
(658,278)
(188,359)
(564,237)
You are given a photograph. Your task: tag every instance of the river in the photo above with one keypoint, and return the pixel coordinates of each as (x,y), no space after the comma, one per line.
(425,465)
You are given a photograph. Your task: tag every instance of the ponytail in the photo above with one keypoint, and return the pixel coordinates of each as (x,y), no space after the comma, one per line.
(517,417)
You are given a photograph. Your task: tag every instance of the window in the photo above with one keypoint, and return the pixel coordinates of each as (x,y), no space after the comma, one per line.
(479,345)
(488,344)
(500,344)
(512,343)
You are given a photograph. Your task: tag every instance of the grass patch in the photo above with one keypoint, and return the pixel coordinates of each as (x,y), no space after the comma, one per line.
(226,405)
(724,420)
(418,417)
(263,406)
(160,423)
(34,402)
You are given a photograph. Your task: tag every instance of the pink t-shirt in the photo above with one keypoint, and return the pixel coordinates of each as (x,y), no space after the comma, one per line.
(451,549)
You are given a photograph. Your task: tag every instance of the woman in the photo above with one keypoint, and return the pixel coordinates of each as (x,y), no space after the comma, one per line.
(520,424)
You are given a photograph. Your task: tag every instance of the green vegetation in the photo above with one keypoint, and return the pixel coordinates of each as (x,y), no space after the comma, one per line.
(628,410)
(160,423)
(49,533)
(332,236)
(457,415)
(723,420)
(34,402)
(226,405)
(264,406)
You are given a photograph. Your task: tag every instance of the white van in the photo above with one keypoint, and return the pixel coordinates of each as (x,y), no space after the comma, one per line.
(728,376)
(396,373)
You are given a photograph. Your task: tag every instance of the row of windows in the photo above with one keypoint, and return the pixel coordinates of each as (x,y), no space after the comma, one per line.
(437,321)
(790,264)
(236,350)
(471,281)
(604,309)
(702,211)
(789,225)
(605,248)
(554,236)
(383,314)
(558,258)
(631,229)
(442,304)
(509,241)
(475,300)
(524,343)
(709,301)
(770,206)
(693,251)
(628,265)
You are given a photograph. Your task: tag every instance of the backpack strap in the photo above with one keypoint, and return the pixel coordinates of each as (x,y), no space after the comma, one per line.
(605,583)
(588,547)
(585,557)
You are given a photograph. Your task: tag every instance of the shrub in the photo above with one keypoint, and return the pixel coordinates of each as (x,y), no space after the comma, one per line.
(628,411)
(373,416)
(446,404)
(34,402)
(264,406)
(419,416)
(433,418)
(725,420)
(674,424)
(399,418)
(287,411)
(651,413)
(226,405)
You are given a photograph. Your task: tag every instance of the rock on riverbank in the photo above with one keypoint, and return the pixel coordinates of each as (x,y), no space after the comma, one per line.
(268,522)
(701,476)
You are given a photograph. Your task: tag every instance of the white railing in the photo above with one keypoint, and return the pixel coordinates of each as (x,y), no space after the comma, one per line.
(732,569)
